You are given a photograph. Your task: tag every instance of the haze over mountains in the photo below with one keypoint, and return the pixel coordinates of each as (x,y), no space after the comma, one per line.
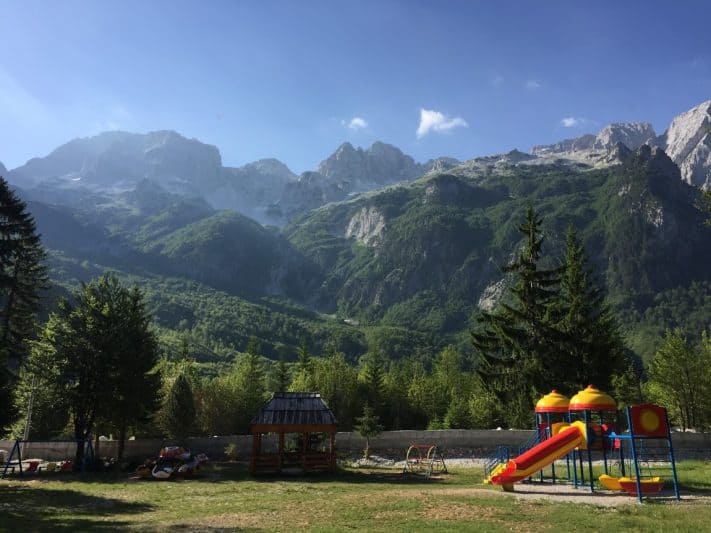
(392,248)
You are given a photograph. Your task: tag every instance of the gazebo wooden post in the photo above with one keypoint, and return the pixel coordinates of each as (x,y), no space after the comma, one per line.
(304,447)
(256,450)
(281,449)
(332,450)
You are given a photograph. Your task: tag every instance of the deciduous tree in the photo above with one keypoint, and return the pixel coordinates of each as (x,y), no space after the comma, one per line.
(101,352)
(680,379)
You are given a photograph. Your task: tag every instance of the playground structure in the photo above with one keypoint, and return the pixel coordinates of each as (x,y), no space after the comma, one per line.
(424,460)
(20,460)
(584,427)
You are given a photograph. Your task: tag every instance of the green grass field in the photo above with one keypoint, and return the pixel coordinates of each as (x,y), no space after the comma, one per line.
(226,498)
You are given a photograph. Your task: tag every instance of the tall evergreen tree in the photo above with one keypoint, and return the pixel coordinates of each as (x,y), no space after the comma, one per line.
(280,376)
(373,379)
(22,276)
(179,410)
(517,343)
(251,385)
(137,381)
(706,205)
(593,351)
(337,381)
(368,425)
(303,380)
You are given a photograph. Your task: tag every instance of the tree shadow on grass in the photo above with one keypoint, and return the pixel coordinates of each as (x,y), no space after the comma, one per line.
(371,476)
(236,472)
(27,508)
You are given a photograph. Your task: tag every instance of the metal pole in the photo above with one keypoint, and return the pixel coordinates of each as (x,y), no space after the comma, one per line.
(635,459)
(671,456)
(28,422)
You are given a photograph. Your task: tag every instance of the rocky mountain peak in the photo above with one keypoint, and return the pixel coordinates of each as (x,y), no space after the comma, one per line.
(688,143)
(379,165)
(439,165)
(119,159)
(272,167)
(576,144)
(631,134)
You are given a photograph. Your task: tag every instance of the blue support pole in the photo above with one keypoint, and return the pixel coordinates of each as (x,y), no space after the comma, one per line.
(587,440)
(671,457)
(635,459)
(603,443)
(15,449)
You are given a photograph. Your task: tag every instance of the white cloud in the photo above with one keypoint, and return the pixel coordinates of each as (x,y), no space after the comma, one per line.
(574,122)
(497,80)
(532,85)
(569,122)
(357,123)
(436,121)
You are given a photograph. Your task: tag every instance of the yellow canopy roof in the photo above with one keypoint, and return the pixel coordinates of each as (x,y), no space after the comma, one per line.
(592,399)
(553,402)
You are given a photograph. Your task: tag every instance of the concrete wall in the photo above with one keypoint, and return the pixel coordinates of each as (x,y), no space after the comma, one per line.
(464,442)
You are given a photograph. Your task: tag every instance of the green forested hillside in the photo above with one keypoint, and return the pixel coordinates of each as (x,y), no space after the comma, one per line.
(404,268)
(427,252)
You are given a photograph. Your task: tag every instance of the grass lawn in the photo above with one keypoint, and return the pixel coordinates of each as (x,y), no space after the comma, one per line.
(226,498)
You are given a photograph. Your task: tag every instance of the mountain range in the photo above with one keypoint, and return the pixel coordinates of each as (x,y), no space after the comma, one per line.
(373,247)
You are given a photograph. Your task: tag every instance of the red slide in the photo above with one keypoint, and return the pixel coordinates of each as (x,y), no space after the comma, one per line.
(539,456)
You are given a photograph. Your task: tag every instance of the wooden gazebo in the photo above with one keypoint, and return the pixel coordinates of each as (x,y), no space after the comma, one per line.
(301,413)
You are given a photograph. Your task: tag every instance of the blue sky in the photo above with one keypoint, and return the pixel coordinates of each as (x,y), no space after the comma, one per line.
(294,79)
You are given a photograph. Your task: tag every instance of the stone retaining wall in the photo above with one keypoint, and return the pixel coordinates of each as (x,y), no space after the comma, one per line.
(465,442)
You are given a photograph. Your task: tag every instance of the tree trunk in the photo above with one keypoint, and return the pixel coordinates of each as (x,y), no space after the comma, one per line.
(82,432)
(121,441)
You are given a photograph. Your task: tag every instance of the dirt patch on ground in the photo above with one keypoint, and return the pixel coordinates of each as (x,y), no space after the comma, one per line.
(603,498)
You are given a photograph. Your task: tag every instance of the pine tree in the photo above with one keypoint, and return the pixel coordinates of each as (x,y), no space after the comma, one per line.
(22,272)
(373,379)
(303,380)
(706,205)
(280,376)
(517,344)
(137,381)
(593,351)
(337,381)
(22,276)
(368,425)
(250,379)
(179,409)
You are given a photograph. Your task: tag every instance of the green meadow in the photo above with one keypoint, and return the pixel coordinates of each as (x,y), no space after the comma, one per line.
(226,498)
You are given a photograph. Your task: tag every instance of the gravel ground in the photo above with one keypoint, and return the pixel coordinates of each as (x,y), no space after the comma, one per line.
(547,491)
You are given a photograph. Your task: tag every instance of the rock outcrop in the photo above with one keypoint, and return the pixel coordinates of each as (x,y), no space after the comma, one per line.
(363,170)
(567,145)
(688,143)
(119,160)
(367,226)
(633,135)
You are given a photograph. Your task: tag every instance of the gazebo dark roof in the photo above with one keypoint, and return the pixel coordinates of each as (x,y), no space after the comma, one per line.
(297,409)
